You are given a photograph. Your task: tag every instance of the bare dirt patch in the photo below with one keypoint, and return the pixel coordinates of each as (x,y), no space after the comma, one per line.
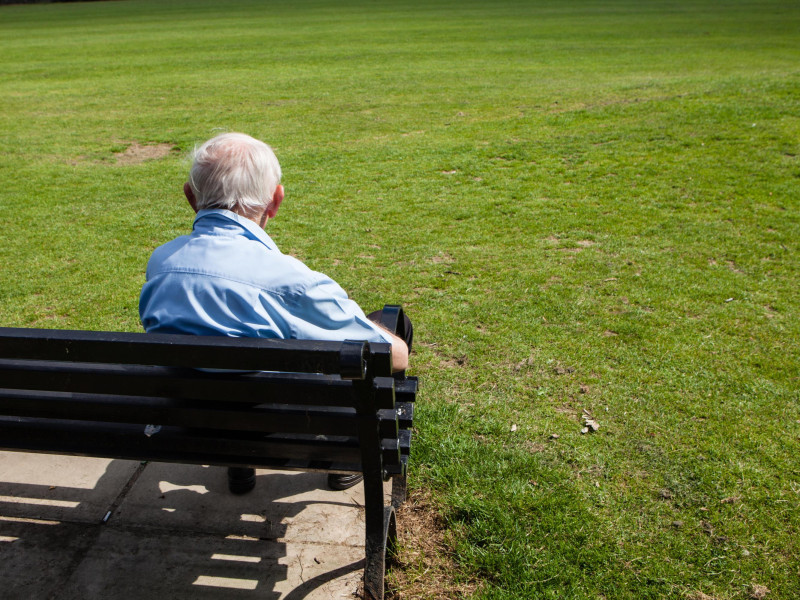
(758,592)
(138,153)
(442,257)
(700,596)
(421,533)
(534,447)
(569,411)
(454,362)
(560,369)
(524,364)
(733,267)
(554,280)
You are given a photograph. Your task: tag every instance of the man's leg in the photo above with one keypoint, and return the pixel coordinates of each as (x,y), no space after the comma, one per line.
(241,479)
(405,331)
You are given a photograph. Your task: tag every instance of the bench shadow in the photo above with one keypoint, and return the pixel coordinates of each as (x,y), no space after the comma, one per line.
(176,531)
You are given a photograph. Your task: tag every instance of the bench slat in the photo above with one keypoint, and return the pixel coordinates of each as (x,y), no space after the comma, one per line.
(403,412)
(405,441)
(407,388)
(217,352)
(170,444)
(141,380)
(166,411)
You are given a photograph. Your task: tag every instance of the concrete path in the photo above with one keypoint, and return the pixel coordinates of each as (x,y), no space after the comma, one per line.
(87,528)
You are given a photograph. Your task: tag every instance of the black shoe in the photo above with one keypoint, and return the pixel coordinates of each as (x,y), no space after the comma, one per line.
(344,482)
(241,480)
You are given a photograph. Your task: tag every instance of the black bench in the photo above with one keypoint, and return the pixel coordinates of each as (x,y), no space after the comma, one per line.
(303,405)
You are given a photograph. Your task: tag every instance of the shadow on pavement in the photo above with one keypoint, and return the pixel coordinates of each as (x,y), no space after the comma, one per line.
(174,531)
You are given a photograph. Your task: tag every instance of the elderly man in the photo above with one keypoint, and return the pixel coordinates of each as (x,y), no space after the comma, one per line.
(228,277)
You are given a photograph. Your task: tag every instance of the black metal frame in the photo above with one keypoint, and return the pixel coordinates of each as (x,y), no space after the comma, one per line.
(319,406)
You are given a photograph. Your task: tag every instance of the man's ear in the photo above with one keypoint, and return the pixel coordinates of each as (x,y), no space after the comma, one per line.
(277,198)
(187,191)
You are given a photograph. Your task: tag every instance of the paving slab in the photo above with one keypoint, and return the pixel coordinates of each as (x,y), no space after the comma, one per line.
(61,488)
(173,531)
(284,506)
(144,563)
(37,556)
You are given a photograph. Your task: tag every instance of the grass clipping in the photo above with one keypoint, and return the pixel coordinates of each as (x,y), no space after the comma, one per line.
(424,566)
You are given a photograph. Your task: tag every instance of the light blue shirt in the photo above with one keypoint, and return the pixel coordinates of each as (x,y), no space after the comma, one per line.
(228,278)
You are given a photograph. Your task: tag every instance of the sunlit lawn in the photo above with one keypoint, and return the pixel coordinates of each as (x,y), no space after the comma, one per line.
(585,206)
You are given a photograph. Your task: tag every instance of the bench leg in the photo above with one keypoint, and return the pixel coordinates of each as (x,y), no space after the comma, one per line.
(398,490)
(380,547)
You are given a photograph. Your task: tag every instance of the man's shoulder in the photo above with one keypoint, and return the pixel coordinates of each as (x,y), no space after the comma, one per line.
(164,251)
(237,260)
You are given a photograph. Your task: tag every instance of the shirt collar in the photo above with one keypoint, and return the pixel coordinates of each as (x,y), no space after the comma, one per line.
(251,229)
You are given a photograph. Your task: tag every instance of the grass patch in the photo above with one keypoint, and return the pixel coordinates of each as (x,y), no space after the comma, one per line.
(585,207)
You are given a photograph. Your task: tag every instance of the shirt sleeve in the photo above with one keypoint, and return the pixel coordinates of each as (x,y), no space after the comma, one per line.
(324,312)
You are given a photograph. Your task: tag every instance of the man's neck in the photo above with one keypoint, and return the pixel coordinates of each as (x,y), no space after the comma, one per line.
(257,216)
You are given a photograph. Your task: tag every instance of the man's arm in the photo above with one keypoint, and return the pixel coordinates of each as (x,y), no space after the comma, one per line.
(325,312)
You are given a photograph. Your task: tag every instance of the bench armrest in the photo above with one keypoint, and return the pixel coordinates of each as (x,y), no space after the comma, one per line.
(391,318)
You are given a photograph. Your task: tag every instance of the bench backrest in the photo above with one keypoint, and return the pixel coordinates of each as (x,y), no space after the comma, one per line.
(311,405)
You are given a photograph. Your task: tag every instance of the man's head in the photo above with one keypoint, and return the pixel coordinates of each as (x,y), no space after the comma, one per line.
(238,173)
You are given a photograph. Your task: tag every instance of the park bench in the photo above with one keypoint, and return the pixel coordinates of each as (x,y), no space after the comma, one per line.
(236,402)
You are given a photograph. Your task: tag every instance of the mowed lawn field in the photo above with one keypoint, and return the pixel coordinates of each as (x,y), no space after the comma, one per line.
(590,209)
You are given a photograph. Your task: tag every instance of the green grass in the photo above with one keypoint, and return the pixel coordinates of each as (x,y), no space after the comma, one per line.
(583,205)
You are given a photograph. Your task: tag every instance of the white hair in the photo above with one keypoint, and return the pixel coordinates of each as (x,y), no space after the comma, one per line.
(234,171)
